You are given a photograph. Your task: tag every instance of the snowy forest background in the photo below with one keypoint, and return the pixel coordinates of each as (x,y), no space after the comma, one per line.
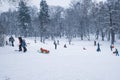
(83,19)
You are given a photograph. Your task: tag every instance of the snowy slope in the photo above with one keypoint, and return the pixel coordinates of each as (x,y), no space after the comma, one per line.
(71,63)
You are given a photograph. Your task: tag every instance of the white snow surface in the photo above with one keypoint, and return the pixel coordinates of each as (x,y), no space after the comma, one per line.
(71,63)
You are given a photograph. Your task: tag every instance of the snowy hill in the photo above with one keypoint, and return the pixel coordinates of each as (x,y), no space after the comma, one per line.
(71,63)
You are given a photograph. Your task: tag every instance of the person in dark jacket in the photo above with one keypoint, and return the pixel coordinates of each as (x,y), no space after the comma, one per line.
(55,44)
(111,46)
(98,48)
(24,45)
(11,40)
(94,43)
(116,52)
(65,46)
(20,43)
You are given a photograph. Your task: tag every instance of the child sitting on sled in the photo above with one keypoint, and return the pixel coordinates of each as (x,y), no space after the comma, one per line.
(44,50)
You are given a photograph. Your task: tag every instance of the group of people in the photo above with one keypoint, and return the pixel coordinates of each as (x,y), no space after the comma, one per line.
(57,43)
(22,43)
(116,50)
(111,47)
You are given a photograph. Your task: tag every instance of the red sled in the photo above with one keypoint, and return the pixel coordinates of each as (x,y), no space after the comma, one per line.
(42,50)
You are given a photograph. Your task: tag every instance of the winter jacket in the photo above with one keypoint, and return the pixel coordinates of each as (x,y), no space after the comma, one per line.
(20,40)
(23,43)
(11,39)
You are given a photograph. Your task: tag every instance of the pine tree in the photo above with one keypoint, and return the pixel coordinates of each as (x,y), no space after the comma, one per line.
(44,18)
(24,18)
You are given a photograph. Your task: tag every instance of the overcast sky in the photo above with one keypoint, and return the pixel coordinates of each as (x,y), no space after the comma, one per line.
(63,3)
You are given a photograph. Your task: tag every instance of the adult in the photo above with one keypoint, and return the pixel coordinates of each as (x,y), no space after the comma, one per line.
(55,44)
(24,45)
(11,40)
(98,47)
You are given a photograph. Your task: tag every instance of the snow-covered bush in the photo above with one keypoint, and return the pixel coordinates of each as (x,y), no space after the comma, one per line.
(2,39)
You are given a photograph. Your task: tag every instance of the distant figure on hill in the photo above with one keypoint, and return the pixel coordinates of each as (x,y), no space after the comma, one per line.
(98,48)
(6,42)
(65,46)
(11,40)
(84,48)
(111,46)
(20,43)
(55,44)
(94,43)
(24,45)
(116,52)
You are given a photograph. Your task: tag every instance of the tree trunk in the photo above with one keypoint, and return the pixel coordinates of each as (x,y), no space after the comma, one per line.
(108,38)
(81,36)
(112,36)
(41,38)
(103,36)
(97,34)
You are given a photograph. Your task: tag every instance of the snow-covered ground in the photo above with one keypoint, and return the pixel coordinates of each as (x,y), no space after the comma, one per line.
(71,63)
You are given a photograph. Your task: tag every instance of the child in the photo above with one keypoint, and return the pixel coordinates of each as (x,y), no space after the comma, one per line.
(20,43)
(116,52)
(65,46)
(111,46)
(44,50)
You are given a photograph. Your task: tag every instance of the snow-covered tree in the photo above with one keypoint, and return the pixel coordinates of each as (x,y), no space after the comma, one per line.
(113,18)
(24,18)
(94,29)
(56,21)
(80,18)
(70,24)
(44,18)
(9,20)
